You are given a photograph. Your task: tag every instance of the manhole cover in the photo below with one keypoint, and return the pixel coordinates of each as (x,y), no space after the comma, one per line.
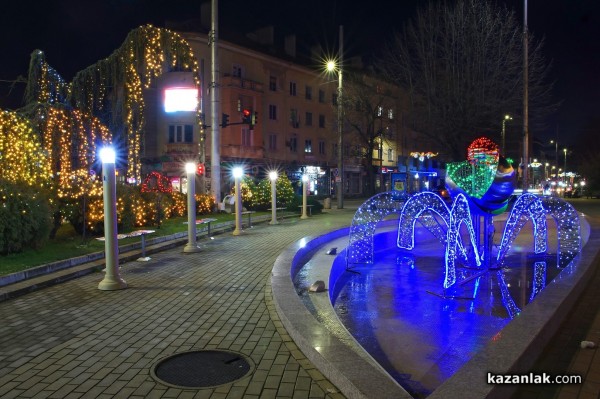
(201,369)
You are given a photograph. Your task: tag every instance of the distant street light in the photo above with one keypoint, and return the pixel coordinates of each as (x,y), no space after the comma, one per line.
(112,280)
(190,170)
(555,142)
(506,118)
(273,177)
(238,172)
(565,169)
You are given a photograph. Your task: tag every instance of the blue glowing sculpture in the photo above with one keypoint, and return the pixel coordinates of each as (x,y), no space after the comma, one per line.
(487,194)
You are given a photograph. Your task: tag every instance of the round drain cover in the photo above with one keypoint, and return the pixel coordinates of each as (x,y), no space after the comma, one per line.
(201,369)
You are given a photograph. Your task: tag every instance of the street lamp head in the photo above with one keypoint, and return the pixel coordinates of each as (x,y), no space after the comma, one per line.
(238,172)
(107,155)
(507,117)
(190,167)
(273,175)
(565,151)
(304,178)
(330,65)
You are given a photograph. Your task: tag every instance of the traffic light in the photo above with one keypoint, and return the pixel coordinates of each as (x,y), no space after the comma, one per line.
(254,118)
(200,169)
(224,120)
(247,116)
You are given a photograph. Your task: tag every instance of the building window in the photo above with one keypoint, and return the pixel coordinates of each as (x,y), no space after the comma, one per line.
(294,118)
(308,119)
(293,144)
(246,137)
(237,71)
(292,88)
(308,93)
(321,120)
(390,154)
(379,111)
(334,99)
(272,112)
(272,142)
(321,96)
(321,147)
(181,133)
(308,146)
(273,83)
(390,114)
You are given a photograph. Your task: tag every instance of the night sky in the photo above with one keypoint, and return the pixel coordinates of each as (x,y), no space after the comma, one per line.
(77,33)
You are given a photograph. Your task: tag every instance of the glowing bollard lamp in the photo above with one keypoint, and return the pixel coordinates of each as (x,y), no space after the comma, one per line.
(304,181)
(237,175)
(273,177)
(191,246)
(112,280)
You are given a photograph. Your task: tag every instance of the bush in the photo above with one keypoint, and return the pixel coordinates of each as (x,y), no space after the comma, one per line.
(25,218)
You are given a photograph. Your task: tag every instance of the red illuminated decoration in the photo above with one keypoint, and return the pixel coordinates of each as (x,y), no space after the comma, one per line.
(483,151)
(200,169)
(156,183)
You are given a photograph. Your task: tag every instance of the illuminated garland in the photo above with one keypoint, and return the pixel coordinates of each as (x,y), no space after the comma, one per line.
(112,88)
(156,182)
(22,158)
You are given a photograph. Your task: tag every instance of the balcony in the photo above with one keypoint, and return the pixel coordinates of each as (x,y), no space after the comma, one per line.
(241,151)
(241,83)
(182,149)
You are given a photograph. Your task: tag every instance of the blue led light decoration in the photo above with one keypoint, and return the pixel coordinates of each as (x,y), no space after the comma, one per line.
(527,207)
(374,210)
(568,227)
(422,207)
(459,215)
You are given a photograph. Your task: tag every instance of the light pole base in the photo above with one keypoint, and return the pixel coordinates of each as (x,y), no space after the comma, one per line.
(304,217)
(273,222)
(237,232)
(112,283)
(190,249)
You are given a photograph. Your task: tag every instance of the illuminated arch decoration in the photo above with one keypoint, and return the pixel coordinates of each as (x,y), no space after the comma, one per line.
(112,89)
(421,207)
(374,210)
(156,183)
(539,279)
(527,207)
(459,215)
(568,227)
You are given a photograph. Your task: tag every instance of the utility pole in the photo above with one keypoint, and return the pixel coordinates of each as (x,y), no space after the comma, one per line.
(340,121)
(202,138)
(525,98)
(215,153)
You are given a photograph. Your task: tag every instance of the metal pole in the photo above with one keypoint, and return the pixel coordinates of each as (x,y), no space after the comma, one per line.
(304,180)
(215,152)
(190,169)
(565,169)
(112,280)
(273,177)
(525,98)
(237,174)
(340,122)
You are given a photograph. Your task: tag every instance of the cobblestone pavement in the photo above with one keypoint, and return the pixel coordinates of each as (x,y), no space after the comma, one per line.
(72,340)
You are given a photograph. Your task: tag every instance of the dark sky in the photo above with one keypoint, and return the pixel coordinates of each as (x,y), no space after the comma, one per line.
(77,33)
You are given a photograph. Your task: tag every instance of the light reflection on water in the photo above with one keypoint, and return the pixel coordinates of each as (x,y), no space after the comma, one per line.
(398,311)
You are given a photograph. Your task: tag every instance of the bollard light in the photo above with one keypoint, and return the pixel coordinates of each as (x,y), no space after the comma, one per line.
(273,177)
(304,181)
(237,175)
(112,280)
(191,246)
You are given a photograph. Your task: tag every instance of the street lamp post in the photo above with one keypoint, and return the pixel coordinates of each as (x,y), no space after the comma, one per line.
(331,66)
(273,177)
(565,168)
(190,170)
(304,181)
(112,280)
(237,175)
(555,142)
(506,118)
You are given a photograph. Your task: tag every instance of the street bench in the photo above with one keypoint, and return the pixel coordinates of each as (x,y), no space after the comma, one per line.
(136,233)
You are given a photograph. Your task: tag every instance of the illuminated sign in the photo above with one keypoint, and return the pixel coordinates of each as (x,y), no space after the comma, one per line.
(181,99)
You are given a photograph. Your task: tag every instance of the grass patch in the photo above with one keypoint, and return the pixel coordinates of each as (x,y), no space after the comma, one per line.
(68,244)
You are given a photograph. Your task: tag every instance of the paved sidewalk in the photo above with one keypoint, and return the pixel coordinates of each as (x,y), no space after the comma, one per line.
(72,340)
